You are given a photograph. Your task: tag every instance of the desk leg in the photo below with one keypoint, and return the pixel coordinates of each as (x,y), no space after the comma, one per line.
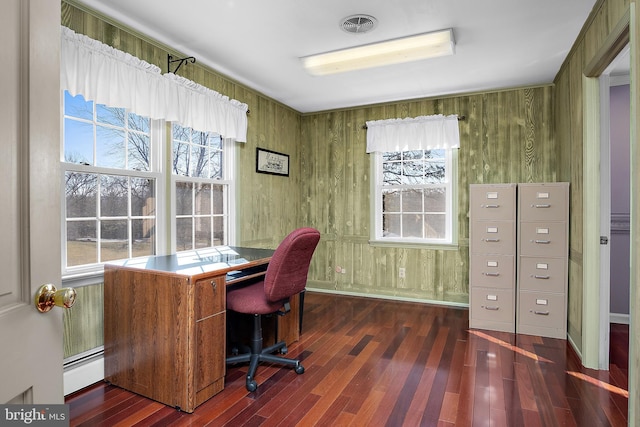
(301,311)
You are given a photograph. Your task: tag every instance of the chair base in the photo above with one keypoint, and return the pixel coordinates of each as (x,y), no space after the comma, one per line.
(259,354)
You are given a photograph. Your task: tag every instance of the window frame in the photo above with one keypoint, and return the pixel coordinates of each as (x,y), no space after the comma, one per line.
(228,181)
(155,173)
(376,188)
(161,171)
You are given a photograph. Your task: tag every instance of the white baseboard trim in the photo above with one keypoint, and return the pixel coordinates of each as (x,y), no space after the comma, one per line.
(619,318)
(392,298)
(81,376)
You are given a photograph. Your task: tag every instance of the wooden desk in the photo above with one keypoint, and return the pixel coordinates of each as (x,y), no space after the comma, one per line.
(165,322)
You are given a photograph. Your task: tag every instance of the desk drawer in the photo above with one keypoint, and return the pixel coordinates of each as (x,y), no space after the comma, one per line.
(210,297)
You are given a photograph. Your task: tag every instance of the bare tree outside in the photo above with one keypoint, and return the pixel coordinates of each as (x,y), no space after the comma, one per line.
(112,215)
(200,202)
(414,194)
(109,216)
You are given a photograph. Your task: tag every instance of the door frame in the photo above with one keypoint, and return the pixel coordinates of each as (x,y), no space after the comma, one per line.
(606,81)
(626,32)
(595,329)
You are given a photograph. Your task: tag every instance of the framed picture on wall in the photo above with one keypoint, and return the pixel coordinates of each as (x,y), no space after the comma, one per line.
(272,162)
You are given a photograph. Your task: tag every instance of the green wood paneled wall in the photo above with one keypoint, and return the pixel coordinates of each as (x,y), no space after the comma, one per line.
(506,136)
(569,134)
(83,323)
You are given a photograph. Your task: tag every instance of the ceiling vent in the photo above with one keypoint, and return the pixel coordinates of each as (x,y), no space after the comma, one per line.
(358,24)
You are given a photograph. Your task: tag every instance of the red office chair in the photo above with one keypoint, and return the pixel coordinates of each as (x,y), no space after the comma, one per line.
(286,276)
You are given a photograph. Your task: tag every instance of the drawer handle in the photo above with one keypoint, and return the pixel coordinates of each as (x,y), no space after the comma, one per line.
(541,313)
(491,274)
(541,206)
(492,308)
(214,285)
(537,276)
(491,240)
(491,206)
(542,242)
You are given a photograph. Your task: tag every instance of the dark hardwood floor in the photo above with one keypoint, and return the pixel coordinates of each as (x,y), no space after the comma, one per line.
(375,362)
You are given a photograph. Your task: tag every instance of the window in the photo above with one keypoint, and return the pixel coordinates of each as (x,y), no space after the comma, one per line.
(112,175)
(117,165)
(414,196)
(201,163)
(110,181)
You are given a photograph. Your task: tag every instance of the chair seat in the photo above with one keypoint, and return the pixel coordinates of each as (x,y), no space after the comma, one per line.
(251,299)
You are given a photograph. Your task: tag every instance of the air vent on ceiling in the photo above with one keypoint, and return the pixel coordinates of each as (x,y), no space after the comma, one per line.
(358,24)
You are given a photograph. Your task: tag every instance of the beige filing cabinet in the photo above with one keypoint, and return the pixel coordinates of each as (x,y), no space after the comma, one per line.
(492,253)
(543,246)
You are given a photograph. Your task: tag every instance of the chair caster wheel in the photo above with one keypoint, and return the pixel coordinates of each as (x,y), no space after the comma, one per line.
(252,385)
(299,369)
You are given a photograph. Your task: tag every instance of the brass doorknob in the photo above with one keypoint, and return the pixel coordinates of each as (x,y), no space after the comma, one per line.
(48,296)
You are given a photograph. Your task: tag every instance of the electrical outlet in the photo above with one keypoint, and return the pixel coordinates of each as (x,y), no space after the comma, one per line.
(402,273)
(344,271)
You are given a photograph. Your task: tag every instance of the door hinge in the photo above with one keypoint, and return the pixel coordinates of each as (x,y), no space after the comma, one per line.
(604,240)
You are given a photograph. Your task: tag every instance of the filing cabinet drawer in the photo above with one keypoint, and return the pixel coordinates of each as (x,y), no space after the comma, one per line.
(210,297)
(495,305)
(492,271)
(541,313)
(547,239)
(543,274)
(492,202)
(493,237)
(543,202)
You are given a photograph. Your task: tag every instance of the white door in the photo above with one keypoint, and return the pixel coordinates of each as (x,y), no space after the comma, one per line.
(32,348)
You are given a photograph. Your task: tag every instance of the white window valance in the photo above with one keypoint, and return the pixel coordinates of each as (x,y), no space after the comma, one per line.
(419,133)
(204,109)
(115,78)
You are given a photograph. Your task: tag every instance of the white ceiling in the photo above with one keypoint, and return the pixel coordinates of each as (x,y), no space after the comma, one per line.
(499,43)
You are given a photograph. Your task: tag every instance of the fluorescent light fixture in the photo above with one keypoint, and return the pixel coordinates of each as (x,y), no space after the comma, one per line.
(406,49)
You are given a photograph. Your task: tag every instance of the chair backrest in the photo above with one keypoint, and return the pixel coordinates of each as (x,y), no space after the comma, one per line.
(287,272)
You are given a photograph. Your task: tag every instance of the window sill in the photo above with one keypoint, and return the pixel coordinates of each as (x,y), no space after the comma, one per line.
(414,245)
(84,278)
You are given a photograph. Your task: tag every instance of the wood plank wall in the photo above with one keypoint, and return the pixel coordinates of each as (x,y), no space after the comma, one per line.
(507,136)
(569,137)
(84,322)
